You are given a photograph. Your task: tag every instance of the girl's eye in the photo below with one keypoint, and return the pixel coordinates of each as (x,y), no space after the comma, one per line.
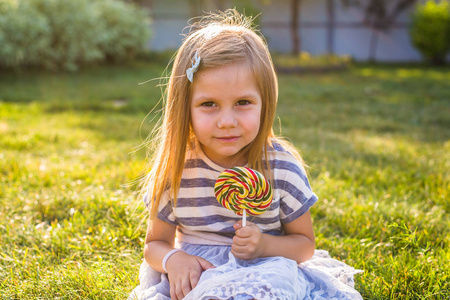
(243,102)
(208,104)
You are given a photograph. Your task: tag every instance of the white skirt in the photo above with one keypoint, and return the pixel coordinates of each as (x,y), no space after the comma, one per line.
(321,277)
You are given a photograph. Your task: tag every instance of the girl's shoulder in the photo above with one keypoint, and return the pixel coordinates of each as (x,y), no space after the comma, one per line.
(276,146)
(284,157)
(282,149)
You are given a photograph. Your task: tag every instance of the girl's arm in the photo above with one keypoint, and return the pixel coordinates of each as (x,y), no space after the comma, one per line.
(159,241)
(184,270)
(298,243)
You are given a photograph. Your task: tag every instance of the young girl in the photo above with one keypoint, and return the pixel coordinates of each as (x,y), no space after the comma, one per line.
(219,110)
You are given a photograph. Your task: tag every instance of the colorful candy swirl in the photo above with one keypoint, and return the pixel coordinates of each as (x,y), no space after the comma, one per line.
(242,188)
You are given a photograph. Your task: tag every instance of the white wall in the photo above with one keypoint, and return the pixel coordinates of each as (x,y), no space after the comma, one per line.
(351,36)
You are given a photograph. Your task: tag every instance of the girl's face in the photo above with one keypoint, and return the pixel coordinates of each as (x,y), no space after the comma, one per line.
(226,112)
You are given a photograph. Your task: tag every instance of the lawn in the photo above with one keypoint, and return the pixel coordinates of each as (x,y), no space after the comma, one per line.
(376,139)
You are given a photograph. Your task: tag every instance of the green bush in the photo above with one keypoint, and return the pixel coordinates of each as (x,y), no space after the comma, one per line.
(430,31)
(124,35)
(74,33)
(24,35)
(5,5)
(66,34)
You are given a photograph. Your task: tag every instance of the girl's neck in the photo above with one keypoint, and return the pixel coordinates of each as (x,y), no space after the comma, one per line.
(238,160)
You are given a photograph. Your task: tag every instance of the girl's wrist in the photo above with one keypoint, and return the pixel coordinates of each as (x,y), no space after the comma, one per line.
(167,256)
(263,245)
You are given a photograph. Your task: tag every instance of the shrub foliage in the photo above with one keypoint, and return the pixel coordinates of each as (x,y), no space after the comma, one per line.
(66,34)
(430,31)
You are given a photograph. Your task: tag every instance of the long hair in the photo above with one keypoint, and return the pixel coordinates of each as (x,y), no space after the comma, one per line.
(218,39)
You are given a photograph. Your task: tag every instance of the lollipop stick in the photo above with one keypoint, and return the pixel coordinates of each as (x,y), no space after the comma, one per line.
(244,218)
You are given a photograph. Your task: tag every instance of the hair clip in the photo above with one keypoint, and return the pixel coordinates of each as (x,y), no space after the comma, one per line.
(191,71)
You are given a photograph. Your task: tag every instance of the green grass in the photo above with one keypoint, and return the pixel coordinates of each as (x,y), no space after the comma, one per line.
(376,138)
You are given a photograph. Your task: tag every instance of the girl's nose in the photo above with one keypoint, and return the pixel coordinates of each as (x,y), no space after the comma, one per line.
(227,120)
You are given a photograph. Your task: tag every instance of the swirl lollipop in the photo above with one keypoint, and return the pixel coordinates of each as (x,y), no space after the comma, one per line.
(243,191)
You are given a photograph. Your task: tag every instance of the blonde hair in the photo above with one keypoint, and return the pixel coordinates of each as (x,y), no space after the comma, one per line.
(219,39)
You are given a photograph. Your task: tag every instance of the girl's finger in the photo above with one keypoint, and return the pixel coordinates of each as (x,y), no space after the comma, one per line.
(237,225)
(174,291)
(239,241)
(204,263)
(179,293)
(245,232)
(185,287)
(239,248)
(173,295)
(194,280)
(239,254)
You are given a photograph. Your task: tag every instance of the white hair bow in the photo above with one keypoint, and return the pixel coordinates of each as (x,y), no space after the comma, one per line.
(191,71)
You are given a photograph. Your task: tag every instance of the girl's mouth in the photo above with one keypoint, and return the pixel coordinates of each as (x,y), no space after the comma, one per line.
(228,138)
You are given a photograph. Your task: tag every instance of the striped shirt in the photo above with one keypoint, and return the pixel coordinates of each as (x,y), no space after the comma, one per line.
(201,219)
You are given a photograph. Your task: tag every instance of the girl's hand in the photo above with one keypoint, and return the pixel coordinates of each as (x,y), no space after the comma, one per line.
(247,242)
(184,271)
